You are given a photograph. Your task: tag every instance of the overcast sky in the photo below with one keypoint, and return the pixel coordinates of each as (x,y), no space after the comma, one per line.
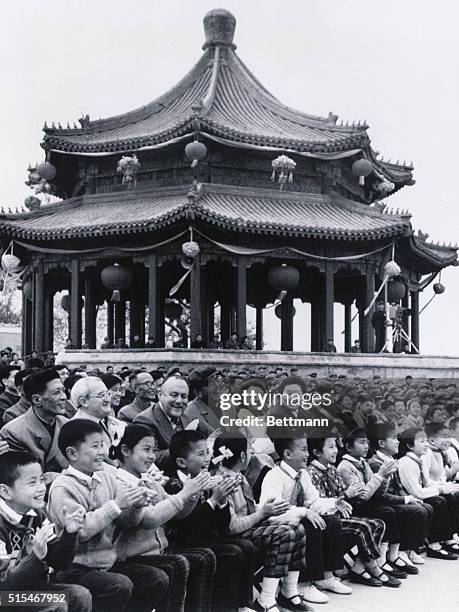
(394,63)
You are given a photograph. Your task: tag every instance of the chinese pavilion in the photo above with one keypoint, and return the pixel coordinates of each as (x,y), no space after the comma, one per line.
(196,166)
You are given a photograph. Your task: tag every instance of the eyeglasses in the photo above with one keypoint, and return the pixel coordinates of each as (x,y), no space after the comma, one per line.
(101,395)
(147,383)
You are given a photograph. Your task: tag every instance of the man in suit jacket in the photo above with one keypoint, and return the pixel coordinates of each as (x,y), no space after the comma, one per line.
(37,430)
(166,417)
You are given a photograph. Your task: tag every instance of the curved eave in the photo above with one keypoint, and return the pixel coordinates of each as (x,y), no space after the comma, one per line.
(218,206)
(440,257)
(187,126)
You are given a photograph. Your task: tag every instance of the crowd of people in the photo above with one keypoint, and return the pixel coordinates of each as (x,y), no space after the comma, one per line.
(122,489)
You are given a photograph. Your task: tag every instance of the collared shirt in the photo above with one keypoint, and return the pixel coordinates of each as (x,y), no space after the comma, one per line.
(279,483)
(82,476)
(11,515)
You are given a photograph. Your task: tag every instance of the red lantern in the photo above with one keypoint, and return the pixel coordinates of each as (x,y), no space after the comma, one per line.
(439,288)
(362,168)
(195,151)
(278,311)
(396,290)
(172,311)
(116,278)
(46,171)
(284,277)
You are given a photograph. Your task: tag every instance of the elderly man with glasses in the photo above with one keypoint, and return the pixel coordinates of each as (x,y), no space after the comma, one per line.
(92,400)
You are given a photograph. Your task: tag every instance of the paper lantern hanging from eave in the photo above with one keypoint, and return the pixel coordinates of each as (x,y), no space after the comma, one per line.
(396,290)
(116,278)
(195,151)
(362,168)
(284,277)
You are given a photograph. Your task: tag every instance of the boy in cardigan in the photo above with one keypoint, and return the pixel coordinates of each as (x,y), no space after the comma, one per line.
(107,503)
(206,521)
(28,546)
(416,480)
(279,536)
(353,468)
(291,482)
(413,515)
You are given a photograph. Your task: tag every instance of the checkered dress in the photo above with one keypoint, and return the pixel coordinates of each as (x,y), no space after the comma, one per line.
(365,533)
(284,546)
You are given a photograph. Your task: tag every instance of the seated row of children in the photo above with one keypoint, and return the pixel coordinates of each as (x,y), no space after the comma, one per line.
(129,539)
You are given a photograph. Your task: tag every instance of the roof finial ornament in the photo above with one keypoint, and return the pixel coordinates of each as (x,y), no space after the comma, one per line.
(219,27)
(84,120)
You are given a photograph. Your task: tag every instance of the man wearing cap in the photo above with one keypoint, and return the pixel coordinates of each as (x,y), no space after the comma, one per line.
(199,408)
(143,386)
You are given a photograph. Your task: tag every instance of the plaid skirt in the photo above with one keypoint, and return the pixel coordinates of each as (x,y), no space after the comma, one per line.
(284,547)
(365,533)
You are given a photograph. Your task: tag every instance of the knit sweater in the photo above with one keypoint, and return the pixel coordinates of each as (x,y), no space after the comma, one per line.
(415,478)
(19,565)
(96,495)
(150,538)
(353,470)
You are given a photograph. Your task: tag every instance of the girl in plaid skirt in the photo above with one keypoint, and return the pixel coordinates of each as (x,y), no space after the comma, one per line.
(362,535)
(281,539)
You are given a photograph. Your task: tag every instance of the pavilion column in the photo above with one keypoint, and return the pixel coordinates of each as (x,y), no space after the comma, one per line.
(48,320)
(415,320)
(210,323)
(287,324)
(329,302)
(110,321)
(205,306)
(360,303)
(405,317)
(39,299)
(241,303)
(347,327)
(27,326)
(90,309)
(135,317)
(75,304)
(195,300)
(316,312)
(153,299)
(225,321)
(368,332)
(259,328)
(120,320)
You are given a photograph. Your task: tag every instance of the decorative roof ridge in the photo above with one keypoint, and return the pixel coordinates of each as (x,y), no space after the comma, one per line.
(276,105)
(208,99)
(142,112)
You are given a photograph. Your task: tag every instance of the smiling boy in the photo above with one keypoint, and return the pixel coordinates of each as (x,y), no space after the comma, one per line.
(291,482)
(28,546)
(107,503)
(207,522)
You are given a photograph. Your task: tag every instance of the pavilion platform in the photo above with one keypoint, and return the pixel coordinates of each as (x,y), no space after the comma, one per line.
(324,364)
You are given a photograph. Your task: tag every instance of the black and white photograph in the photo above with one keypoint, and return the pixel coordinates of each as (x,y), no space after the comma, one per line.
(229,350)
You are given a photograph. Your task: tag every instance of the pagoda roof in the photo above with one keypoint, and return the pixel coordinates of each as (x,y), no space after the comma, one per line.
(221,99)
(257,211)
